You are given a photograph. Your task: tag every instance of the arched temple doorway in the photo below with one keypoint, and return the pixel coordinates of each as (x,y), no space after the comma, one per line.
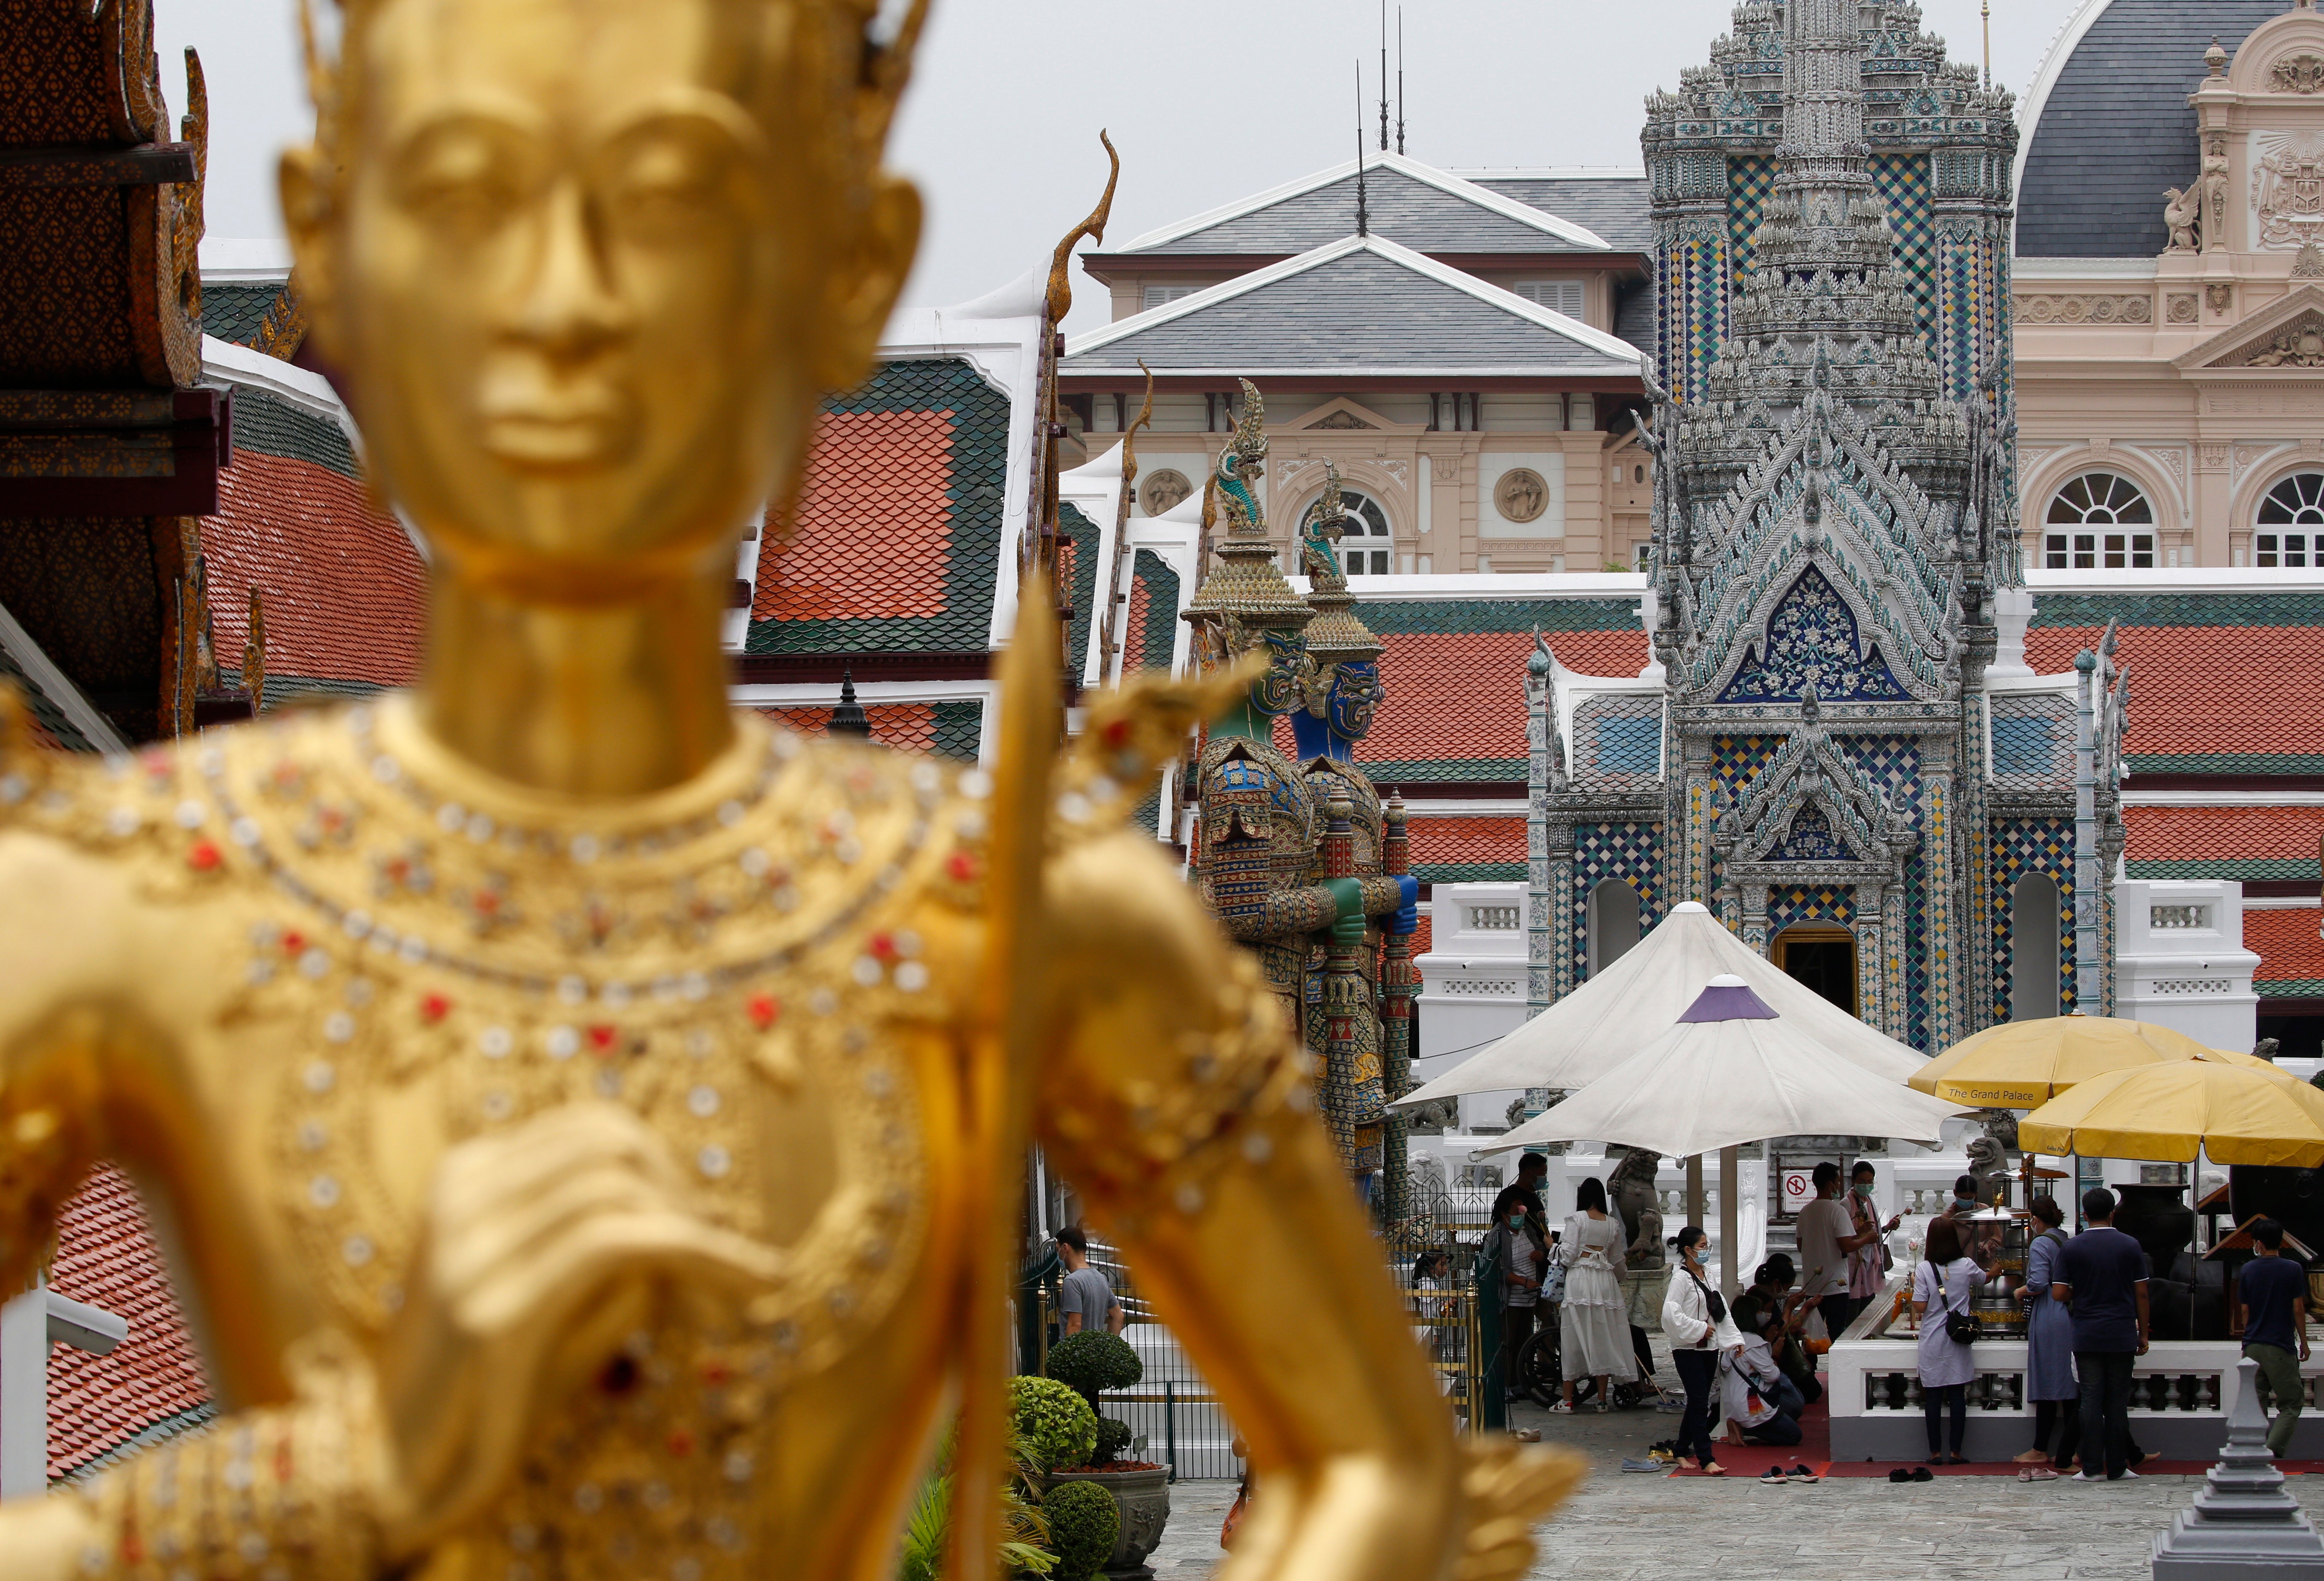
(2033,948)
(1613,923)
(1822,956)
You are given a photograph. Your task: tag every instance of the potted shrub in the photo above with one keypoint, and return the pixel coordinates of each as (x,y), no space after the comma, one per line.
(1026,1547)
(1090,1363)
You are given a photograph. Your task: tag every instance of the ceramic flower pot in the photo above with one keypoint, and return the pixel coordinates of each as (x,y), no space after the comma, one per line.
(1142,1500)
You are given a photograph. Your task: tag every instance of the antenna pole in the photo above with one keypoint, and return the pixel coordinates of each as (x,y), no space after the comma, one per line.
(1363,220)
(1399,79)
(1986,11)
(1383,76)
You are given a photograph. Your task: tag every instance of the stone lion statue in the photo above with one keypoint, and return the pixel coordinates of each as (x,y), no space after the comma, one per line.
(1630,1192)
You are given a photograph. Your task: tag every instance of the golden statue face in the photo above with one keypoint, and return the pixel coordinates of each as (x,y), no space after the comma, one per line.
(588,265)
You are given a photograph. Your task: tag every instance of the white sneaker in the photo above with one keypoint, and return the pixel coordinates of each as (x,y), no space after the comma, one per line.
(2130,1475)
(2084,1477)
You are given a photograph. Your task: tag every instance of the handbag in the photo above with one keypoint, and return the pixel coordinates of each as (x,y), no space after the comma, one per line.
(1712,1302)
(1960,1327)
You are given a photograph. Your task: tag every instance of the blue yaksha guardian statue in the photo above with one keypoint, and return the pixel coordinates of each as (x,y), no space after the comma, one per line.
(1259,851)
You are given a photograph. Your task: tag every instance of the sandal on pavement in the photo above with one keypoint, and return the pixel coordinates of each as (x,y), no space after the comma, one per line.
(1922,1473)
(1773,1474)
(1900,1475)
(1802,1473)
(2039,1473)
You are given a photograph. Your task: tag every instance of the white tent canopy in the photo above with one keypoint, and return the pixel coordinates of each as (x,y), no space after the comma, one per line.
(1731,1072)
(1636,1000)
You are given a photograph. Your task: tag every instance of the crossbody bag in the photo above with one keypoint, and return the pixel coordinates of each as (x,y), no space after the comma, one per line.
(1960,1327)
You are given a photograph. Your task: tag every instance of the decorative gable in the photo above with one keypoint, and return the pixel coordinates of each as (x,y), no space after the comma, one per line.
(1812,642)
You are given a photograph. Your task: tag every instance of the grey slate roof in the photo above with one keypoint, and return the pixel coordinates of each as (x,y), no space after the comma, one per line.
(233,309)
(1426,219)
(1617,207)
(1634,313)
(2117,129)
(1357,311)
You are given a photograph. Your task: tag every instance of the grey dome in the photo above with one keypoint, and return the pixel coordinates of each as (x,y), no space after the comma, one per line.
(2116,130)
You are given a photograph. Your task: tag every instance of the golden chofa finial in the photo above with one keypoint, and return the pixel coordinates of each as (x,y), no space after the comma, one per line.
(1060,297)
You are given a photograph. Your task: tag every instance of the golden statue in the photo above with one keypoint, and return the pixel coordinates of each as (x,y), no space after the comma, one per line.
(580,1116)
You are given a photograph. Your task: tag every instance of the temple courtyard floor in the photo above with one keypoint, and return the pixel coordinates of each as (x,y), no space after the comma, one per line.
(1640,1528)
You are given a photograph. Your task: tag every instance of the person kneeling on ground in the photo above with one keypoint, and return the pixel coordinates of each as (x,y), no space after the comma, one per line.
(1771,1292)
(1760,1405)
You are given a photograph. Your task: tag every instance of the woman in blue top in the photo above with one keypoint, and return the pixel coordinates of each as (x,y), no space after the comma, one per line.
(2049,1352)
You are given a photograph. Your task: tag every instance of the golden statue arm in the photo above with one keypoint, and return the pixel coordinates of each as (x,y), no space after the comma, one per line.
(1180,1109)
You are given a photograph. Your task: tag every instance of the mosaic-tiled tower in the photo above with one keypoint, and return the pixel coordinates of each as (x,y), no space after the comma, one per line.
(1834,513)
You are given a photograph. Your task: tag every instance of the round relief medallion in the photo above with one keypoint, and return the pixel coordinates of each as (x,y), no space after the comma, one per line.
(1521,495)
(1164,491)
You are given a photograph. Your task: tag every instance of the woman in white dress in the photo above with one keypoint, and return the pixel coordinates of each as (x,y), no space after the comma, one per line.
(1594,1328)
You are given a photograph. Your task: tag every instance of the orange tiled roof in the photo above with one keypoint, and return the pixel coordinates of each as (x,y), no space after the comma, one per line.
(873,523)
(346,593)
(2219,682)
(905,727)
(1422,939)
(1468,849)
(2223,841)
(106,1257)
(2291,955)
(1455,707)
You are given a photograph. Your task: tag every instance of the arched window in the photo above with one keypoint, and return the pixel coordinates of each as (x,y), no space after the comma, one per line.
(2290,535)
(2034,946)
(1365,548)
(2100,522)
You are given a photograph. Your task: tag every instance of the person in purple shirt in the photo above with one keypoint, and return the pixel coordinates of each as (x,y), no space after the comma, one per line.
(2101,1277)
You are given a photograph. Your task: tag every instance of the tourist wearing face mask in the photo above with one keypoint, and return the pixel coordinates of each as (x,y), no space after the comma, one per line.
(1974,1239)
(1517,1246)
(1868,1258)
(1695,1320)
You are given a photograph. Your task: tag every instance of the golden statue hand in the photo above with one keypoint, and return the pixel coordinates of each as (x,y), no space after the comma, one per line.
(543,1248)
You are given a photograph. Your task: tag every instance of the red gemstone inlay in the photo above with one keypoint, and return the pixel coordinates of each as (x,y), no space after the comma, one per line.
(434,1007)
(765,1009)
(600,1037)
(883,946)
(1117,731)
(292,943)
(202,857)
(962,866)
(681,1443)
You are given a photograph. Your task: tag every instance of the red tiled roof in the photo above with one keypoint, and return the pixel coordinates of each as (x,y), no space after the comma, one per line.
(106,1257)
(1141,610)
(346,593)
(2209,691)
(1461,696)
(1443,841)
(2214,834)
(874,523)
(1420,940)
(905,726)
(2287,944)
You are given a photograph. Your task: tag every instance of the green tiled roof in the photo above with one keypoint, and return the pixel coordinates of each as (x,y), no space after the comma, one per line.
(2178,609)
(959,728)
(1469,872)
(273,427)
(1085,538)
(234,309)
(2224,762)
(2258,867)
(976,464)
(2288,987)
(284,691)
(1502,770)
(62,730)
(1397,616)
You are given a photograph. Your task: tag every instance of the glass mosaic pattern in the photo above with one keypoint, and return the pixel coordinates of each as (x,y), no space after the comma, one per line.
(1788,907)
(1902,179)
(1812,639)
(1750,181)
(1631,852)
(1811,839)
(1628,746)
(2022,845)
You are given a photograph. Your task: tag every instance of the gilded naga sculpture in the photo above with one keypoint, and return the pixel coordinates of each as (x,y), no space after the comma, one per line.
(580,1115)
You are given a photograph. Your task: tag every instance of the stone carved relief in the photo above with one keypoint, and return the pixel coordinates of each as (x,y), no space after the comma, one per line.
(2212,458)
(2185,309)
(1521,495)
(1344,419)
(2090,309)
(2298,74)
(2222,298)
(2182,215)
(1165,490)
(2310,264)
(2213,182)
(2298,346)
(2171,459)
(2288,188)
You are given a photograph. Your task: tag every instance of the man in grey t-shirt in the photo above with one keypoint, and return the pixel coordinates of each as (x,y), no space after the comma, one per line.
(1086,1300)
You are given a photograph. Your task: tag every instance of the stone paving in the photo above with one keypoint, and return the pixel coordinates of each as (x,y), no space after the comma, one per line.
(1638,1528)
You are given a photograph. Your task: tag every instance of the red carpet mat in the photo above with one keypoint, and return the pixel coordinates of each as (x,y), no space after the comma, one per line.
(1813,1451)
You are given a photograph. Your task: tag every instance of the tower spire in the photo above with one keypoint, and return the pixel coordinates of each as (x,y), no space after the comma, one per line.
(1399,79)
(1383,76)
(1363,220)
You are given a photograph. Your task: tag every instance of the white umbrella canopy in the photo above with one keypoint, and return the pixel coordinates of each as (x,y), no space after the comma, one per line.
(1621,1009)
(1732,1071)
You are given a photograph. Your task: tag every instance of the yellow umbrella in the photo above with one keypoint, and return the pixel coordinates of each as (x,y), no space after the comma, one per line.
(2020,1063)
(2169,1112)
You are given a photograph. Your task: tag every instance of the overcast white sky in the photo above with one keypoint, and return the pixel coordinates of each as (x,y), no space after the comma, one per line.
(1207,100)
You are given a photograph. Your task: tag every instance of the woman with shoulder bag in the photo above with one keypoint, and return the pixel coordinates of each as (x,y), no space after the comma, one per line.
(1696,1320)
(1942,1288)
